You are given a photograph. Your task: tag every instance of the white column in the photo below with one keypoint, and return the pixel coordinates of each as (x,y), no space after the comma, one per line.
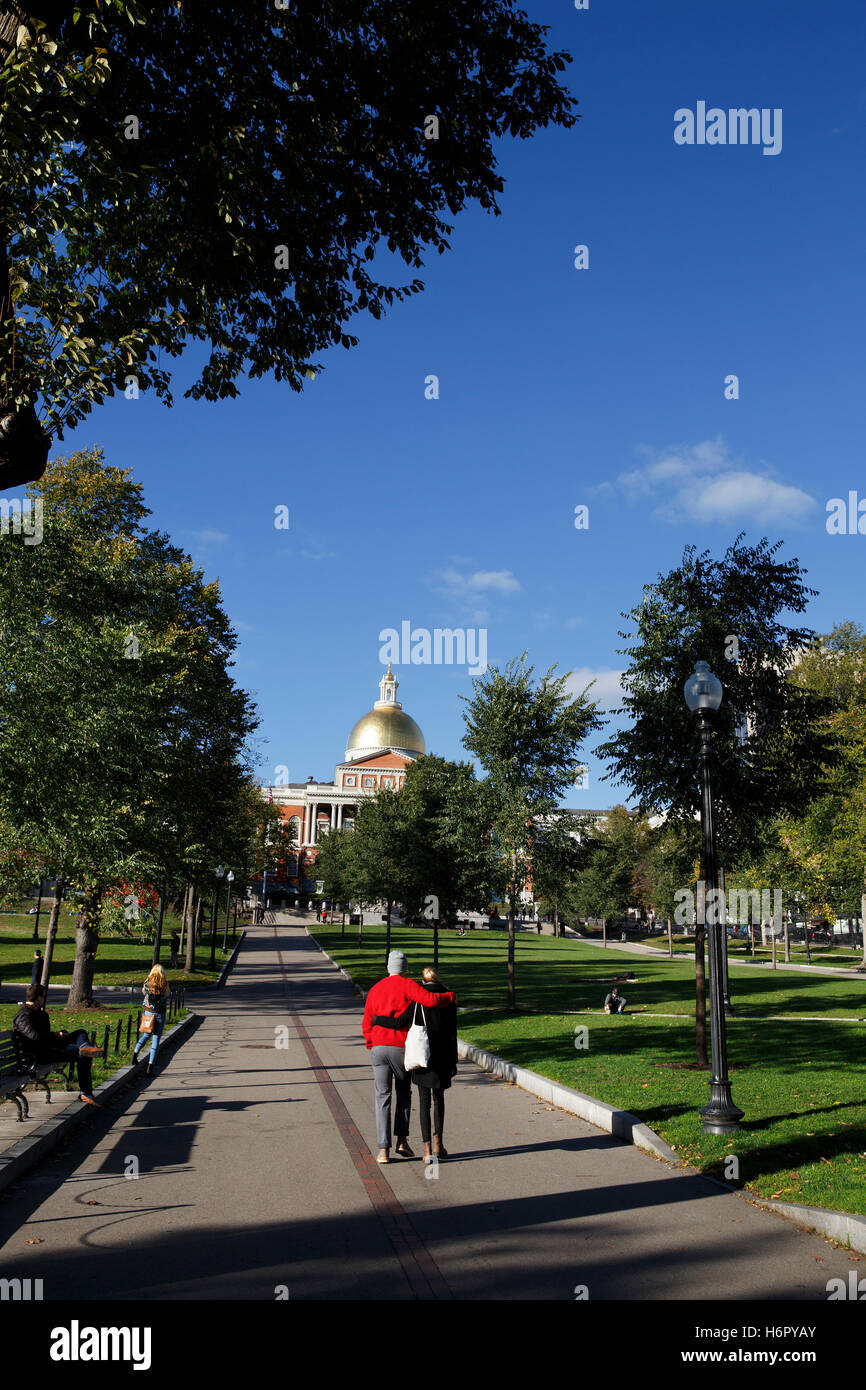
(307,810)
(315,822)
(333,816)
(340,816)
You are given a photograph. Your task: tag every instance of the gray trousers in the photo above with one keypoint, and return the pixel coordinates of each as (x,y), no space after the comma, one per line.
(387,1067)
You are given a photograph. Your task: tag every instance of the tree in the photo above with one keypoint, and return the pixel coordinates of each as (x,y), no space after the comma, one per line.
(770,745)
(122,734)
(527,739)
(379,856)
(605,887)
(170,173)
(559,853)
(448,847)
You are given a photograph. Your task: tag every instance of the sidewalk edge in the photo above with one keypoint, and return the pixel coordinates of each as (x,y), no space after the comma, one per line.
(27,1151)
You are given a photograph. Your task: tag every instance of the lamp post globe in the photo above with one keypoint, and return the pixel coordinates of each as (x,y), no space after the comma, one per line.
(703,694)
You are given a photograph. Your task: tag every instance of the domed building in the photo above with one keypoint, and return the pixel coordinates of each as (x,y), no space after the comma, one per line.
(380,747)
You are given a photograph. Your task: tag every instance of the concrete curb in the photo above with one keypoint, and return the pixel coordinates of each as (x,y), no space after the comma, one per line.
(27,1152)
(844,1227)
(223,975)
(619,1123)
(841,1226)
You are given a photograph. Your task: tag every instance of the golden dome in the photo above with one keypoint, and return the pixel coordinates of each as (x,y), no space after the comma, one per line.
(385,728)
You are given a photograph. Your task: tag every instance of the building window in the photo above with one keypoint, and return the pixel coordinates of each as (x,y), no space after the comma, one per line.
(348,822)
(348,781)
(369,781)
(387,781)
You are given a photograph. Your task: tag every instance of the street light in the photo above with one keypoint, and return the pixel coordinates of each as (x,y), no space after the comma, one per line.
(219,874)
(703,692)
(230,878)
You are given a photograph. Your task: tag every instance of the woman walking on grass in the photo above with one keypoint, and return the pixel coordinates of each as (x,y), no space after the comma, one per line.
(155,994)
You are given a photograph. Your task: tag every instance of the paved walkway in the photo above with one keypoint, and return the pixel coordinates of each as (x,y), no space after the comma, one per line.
(257,1174)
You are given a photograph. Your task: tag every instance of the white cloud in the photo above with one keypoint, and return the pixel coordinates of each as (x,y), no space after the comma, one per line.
(500,581)
(701,482)
(607,689)
(208,537)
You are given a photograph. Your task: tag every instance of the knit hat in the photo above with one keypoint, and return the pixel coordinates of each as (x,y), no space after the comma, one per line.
(396,963)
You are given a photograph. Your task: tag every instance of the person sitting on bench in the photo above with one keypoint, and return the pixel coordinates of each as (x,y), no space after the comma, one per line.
(33,1026)
(614,1003)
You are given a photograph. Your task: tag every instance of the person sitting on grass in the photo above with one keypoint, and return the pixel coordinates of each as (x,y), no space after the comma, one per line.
(614,1003)
(155,994)
(33,1026)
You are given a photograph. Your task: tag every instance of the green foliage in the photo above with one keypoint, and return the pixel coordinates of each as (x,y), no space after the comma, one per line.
(122,734)
(125,242)
(725,612)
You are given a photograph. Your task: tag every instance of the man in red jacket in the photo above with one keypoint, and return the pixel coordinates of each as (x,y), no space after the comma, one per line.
(390,997)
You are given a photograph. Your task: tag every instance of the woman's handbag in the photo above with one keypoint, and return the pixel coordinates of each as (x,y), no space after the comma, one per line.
(417,1044)
(148,1018)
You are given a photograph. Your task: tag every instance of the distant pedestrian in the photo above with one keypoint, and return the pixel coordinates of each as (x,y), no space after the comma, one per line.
(174,946)
(36,971)
(155,1002)
(434,1079)
(389,997)
(614,1003)
(538,925)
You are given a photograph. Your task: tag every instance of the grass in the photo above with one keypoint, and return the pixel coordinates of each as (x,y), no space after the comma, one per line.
(120,960)
(802,1084)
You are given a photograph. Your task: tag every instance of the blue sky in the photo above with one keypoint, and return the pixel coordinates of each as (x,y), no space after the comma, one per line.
(557,387)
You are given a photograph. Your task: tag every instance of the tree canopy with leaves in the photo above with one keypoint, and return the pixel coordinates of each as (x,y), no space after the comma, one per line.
(527,738)
(771,745)
(178,172)
(123,737)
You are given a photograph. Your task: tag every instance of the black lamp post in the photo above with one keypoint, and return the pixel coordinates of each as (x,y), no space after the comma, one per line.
(703,692)
(230,878)
(213,922)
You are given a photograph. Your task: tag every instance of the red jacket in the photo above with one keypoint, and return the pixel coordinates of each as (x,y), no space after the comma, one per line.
(390,996)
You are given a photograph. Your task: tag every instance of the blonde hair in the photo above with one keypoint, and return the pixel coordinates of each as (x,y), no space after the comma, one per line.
(156,982)
(430,973)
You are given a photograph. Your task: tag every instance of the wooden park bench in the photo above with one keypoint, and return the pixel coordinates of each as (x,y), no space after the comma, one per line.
(12,1083)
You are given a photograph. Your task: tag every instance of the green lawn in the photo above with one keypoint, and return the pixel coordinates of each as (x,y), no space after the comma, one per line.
(119,960)
(802,1084)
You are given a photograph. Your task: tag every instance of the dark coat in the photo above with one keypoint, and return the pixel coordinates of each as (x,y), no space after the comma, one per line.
(442,1033)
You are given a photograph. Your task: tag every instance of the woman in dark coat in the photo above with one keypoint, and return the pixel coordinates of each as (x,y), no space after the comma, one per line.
(434,1079)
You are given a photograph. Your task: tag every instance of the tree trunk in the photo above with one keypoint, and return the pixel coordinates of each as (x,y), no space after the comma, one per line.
(186,917)
(388,933)
(360,925)
(670,940)
(556,921)
(604,931)
(51,935)
(512,1003)
(700,999)
(195,909)
(86,946)
(787,941)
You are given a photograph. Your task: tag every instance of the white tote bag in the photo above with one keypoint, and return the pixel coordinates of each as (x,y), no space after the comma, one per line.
(417,1043)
